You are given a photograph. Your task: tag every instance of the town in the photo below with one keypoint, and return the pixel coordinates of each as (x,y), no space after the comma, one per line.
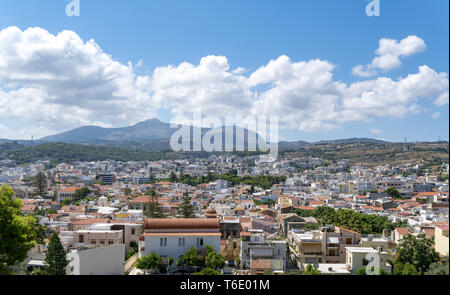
(229,214)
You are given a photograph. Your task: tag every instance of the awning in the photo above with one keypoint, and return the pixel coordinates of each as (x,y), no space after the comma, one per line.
(36,263)
(332,240)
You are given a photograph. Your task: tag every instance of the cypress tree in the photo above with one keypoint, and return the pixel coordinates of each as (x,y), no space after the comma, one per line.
(56,257)
(152,208)
(40,182)
(186,207)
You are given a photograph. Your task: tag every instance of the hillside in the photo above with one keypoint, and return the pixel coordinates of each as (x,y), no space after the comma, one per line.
(65,152)
(372,154)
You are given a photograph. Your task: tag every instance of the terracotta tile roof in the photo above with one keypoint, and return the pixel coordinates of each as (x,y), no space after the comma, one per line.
(229,218)
(429,231)
(347,230)
(361,197)
(181,223)
(181,234)
(402,231)
(141,199)
(245,219)
(28,208)
(89,221)
(77,209)
(305,207)
(245,234)
(317,203)
(70,189)
(260,264)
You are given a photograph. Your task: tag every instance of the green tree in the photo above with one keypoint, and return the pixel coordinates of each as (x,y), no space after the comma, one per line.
(66,202)
(404,269)
(18,233)
(311,270)
(439,268)
(213,259)
(149,262)
(152,207)
(40,182)
(55,258)
(393,192)
(127,191)
(347,218)
(186,207)
(208,272)
(173,177)
(191,257)
(81,193)
(417,251)
(362,271)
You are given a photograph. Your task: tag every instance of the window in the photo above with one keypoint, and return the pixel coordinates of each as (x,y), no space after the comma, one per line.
(93,242)
(102,242)
(179,242)
(133,231)
(81,238)
(365,261)
(110,242)
(201,241)
(165,241)
(183,242)
(161,242)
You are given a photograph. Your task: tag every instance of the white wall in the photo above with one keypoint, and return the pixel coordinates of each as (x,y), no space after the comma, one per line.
(173,250)
(108,260)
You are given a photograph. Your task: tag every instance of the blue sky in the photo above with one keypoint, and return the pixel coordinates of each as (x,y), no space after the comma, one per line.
(250,33)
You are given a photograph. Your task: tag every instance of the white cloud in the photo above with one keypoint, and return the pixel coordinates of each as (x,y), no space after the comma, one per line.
(375,131)
(389,53)
(57,82)
(62,81)
(442,99)
(435,115)
(209,86)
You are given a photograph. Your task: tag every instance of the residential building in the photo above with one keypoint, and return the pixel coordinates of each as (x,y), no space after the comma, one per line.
(173,237)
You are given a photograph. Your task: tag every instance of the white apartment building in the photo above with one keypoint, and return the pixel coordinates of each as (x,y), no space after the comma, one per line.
(107,260)
(173,237)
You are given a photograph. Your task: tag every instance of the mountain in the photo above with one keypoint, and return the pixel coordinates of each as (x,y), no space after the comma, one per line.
(352,141)
(292,145)
(147,130)
(150,135)
(154,135)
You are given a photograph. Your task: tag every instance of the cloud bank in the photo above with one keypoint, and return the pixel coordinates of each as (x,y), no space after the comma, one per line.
(61,82)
